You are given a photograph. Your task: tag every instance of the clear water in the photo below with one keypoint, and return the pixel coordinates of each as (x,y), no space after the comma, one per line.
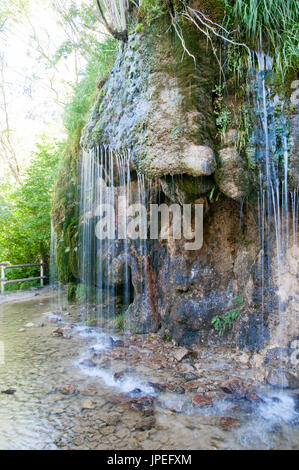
(39,416)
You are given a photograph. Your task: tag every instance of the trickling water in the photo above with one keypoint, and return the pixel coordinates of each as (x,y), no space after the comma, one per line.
(270,141)
(106,191)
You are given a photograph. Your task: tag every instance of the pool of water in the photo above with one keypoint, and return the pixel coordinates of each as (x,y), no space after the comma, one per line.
(44,413)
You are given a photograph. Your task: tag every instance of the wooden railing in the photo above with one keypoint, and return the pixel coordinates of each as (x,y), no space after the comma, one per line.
(5,281)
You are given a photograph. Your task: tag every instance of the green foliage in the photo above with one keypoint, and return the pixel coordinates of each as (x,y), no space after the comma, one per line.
(223,322)
(151,10)
(25,224)
(98,67)
(119,322)
(212,193)
(269,25)
(221,112)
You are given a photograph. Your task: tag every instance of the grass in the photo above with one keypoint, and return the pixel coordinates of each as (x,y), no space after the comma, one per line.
(119,322)
(269,25)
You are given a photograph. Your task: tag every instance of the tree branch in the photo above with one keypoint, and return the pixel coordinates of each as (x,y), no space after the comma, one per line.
(120,35)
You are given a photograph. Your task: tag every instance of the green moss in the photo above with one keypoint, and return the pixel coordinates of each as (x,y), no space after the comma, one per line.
(151,10)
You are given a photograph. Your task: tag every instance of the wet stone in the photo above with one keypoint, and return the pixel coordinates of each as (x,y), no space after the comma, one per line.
(88,363)
(201,400)
(234,387)
(227,423)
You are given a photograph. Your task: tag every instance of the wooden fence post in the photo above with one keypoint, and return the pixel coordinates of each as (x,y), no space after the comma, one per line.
(3,266)
(41,273)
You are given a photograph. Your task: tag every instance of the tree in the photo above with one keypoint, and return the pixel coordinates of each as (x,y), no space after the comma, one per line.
(25,224)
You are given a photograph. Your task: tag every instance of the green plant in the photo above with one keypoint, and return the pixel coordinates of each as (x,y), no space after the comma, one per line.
(221,112)
(269,25)
(119,322)
(151,10)
(212,193)
(223,322)
(239,300)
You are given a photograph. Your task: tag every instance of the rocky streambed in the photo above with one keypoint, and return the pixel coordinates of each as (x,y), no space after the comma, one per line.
(72,386)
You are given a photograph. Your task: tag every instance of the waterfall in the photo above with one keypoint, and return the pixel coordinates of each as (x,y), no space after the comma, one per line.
(276,219)
(105,251)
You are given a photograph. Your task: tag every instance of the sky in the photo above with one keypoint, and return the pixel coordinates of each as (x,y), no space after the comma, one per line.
(36,93)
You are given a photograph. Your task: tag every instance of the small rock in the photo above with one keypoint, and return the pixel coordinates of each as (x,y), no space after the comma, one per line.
(189,377)
(87,405)
(68,390)
(244,358)
(9,391)
(178,408)
(119,375)
(234,387)
(144,401)
(118,343)
(194,385)
(293,380)
(157,386)
(21,330)
(52,319)
(227,423)
(29,325)
(200,400)
(253,397)
(181,353)
(58,332)
(136,407)
(89,391)
(282,379)
(88,363)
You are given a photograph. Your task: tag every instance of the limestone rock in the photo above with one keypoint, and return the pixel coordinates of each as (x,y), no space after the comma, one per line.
(231,176)
(87,405)
(181,353)
(282,379)
(166,118)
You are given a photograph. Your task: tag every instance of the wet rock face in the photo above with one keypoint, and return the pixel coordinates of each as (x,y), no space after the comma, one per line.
(159,105)
(231,175)
(191,288)
(294,149)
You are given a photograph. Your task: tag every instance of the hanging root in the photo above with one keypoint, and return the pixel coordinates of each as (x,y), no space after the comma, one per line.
(206,26)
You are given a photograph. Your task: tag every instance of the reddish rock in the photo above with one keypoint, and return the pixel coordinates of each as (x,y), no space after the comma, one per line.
(120,398)
(253,397)
(118,375)
(227,423)
(144,401)
(157,386)
(201,400)
(136,407)
(235,387)
(195,385)
(89,391)
(68,390)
